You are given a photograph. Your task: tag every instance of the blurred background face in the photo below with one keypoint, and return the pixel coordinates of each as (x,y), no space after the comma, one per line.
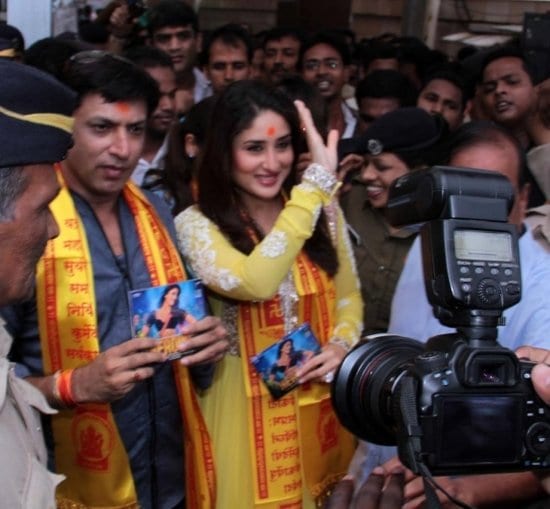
(444,98)
(226,64)
(281,57)
(165,114)
(257,70)
(323,68)
(180,43)
(507,93)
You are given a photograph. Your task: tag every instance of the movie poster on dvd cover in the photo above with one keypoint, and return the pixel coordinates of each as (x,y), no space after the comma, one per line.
(162,312)
(277,364)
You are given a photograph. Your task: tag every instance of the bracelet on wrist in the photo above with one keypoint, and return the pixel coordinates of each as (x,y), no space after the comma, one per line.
(319,176)
(63,390)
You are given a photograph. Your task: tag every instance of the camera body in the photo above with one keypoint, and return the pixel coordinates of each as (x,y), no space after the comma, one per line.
(461,403)
(476,412)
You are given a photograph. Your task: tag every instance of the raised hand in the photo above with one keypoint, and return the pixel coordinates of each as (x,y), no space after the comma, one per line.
(321,153)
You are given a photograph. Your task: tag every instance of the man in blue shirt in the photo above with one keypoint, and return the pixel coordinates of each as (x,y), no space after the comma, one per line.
(120,438)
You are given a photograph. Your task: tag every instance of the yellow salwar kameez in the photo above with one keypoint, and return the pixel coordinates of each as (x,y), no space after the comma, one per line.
(273,454)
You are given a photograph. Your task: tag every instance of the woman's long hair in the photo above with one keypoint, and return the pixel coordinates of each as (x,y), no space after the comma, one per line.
(218,199)
(166,291)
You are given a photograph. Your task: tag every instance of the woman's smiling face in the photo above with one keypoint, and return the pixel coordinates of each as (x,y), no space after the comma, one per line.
(262,157)
(378,173)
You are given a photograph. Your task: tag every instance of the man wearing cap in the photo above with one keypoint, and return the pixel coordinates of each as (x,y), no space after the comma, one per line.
(12,43)
(126,413)
(393,145)
(36,128)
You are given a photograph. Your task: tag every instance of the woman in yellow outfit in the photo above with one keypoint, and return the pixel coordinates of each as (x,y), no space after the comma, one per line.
(275,254)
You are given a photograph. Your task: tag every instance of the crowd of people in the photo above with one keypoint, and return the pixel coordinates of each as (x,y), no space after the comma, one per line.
(142,152)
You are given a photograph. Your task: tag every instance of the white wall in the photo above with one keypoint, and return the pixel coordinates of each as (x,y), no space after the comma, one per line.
(32,17)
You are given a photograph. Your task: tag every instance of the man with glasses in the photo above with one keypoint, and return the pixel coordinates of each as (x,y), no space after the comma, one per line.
(126,412)
(324,62)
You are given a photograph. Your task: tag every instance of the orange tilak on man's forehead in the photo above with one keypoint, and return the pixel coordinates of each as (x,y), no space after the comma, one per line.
(270,130)
(122,107)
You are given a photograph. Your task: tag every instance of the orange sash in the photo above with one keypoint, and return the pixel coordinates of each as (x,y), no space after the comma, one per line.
(297,443)
(88,448)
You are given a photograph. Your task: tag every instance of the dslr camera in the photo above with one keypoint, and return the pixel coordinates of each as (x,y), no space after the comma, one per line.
(461,403)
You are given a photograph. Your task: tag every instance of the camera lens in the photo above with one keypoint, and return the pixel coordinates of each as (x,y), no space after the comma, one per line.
(364,384)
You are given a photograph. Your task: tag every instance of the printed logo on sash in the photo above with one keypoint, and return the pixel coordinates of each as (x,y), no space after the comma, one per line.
(327,427)
(94,437)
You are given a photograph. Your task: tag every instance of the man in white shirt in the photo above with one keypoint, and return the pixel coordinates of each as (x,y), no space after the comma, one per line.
(174,28)
(159,66)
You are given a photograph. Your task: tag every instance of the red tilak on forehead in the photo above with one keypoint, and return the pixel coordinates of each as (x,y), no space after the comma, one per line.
(270,130)
(122,107)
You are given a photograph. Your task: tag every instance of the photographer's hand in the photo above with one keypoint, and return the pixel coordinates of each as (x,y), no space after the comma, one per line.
(540,375)
(494,490)
(541,372)
(414,493)
(379,491)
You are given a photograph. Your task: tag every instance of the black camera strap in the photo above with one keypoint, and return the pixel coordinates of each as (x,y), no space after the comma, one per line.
(430,488)
(413,431)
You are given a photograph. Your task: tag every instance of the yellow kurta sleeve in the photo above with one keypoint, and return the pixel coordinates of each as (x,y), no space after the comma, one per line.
(349,303)
(256,276)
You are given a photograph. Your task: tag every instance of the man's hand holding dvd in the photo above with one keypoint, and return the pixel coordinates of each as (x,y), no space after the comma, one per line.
(175,316)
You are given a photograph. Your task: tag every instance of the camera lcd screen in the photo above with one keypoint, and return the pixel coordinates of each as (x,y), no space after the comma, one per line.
(483,246)
(479,429)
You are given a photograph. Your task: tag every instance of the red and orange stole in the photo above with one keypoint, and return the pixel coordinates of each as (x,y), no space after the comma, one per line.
(88,448)
(298,438)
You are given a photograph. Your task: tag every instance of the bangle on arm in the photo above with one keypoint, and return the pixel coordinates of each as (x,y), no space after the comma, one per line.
(63,389)
(317,175)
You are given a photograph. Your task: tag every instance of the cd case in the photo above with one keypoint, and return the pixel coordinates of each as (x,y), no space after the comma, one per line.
(277,364)
(161,312)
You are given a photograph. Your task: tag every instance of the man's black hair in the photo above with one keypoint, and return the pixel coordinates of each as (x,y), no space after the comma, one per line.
(51,55)
(447,74)
(375,51)
(169,13)
(278,33)
(231,34)
(384,83)
(506,51)
(148,57)
(113,77)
